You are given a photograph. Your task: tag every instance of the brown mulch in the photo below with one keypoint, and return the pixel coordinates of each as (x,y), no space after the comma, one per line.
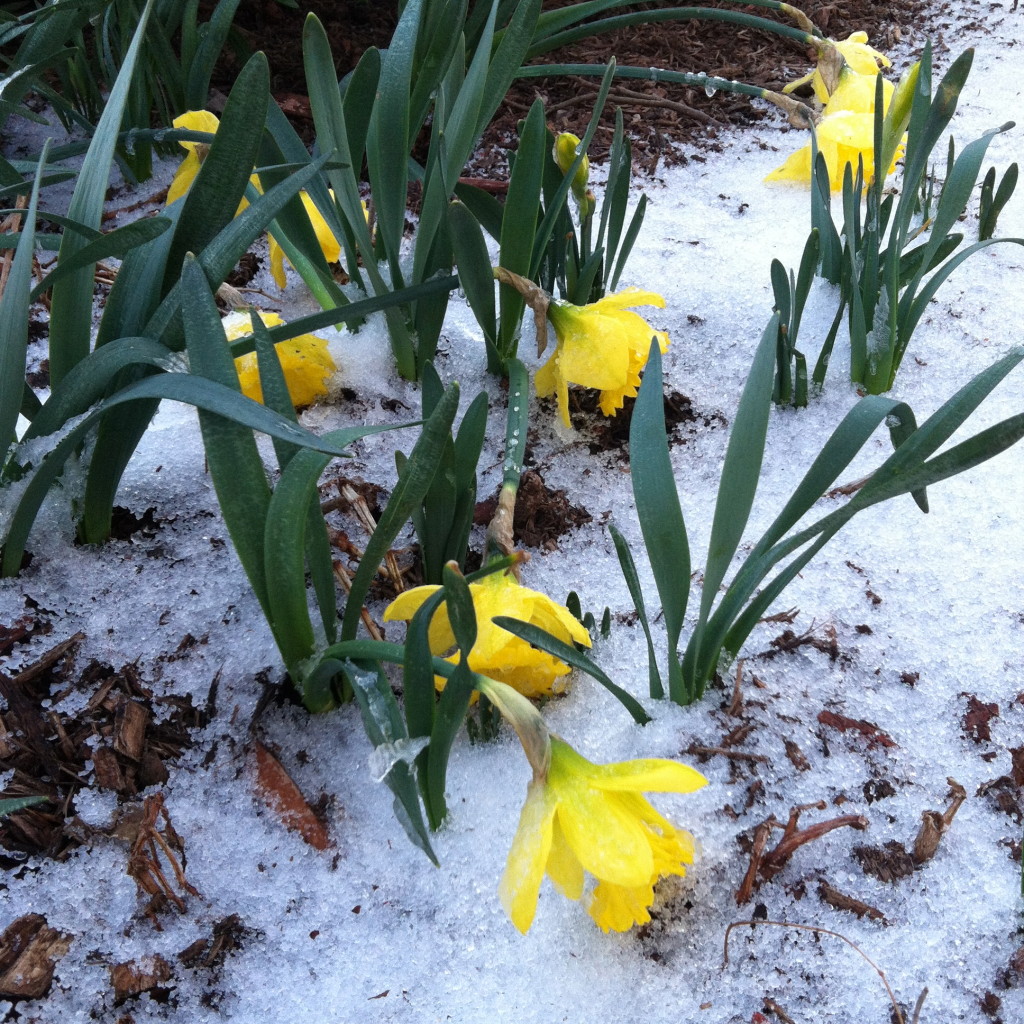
(65,728)
(658,116)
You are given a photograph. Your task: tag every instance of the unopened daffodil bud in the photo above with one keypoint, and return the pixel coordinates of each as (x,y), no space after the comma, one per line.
(564,153)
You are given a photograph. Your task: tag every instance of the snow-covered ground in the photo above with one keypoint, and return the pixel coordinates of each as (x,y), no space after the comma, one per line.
(926,610)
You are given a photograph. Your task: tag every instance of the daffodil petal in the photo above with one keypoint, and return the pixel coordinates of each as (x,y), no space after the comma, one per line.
(564,867)
(408,603)
(528,857)
(329,245)
(277,263)
(647,775)
(610,843)
(183,178)
(629,297)
(196,121)
(796,168)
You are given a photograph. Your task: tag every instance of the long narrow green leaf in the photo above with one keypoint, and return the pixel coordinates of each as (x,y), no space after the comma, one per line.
(508,56)
(112,244)
(571,656)
(412,485)
(455,698)
(231,454)
(211,42)
(636,592)
(474,267)
(90,380)
(284,550)
(333,137)
(658,509)
(214,196)
(519,224)
(387,146)
(71,302)
(14,317)
(556,204)
(742,468)
(382,720)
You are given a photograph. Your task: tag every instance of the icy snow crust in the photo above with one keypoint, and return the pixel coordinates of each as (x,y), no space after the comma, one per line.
(370,931)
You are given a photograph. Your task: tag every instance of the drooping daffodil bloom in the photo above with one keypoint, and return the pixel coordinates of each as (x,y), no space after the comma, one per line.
(583,818)
(602,345)
(197,121)
(498,653)
(845,133)
(329,244)
(204,121)
(305,361)
(857,57)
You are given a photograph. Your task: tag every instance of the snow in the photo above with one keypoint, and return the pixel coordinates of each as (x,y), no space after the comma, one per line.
(369,931)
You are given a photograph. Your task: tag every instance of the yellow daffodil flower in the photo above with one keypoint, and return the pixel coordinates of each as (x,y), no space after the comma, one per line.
(581,817)
(857,56)
(845,133)
(197,121)
(329,245)
(305,361)
(602,345)
(498,653)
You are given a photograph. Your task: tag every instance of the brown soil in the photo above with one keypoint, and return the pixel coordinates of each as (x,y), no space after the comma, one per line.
(657,115)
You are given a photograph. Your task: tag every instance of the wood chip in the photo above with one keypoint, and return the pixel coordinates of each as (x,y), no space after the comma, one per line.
(138,976)
(276,788)
(875,736)
(834,898)
(130,721)
(29,951)
(796,756)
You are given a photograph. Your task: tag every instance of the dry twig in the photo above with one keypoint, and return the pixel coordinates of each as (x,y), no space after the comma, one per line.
(897,1013)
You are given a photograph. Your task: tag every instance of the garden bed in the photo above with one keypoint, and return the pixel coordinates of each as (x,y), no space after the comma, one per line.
(214,851)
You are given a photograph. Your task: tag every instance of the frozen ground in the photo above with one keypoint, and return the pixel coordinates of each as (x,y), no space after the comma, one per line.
(369,931)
